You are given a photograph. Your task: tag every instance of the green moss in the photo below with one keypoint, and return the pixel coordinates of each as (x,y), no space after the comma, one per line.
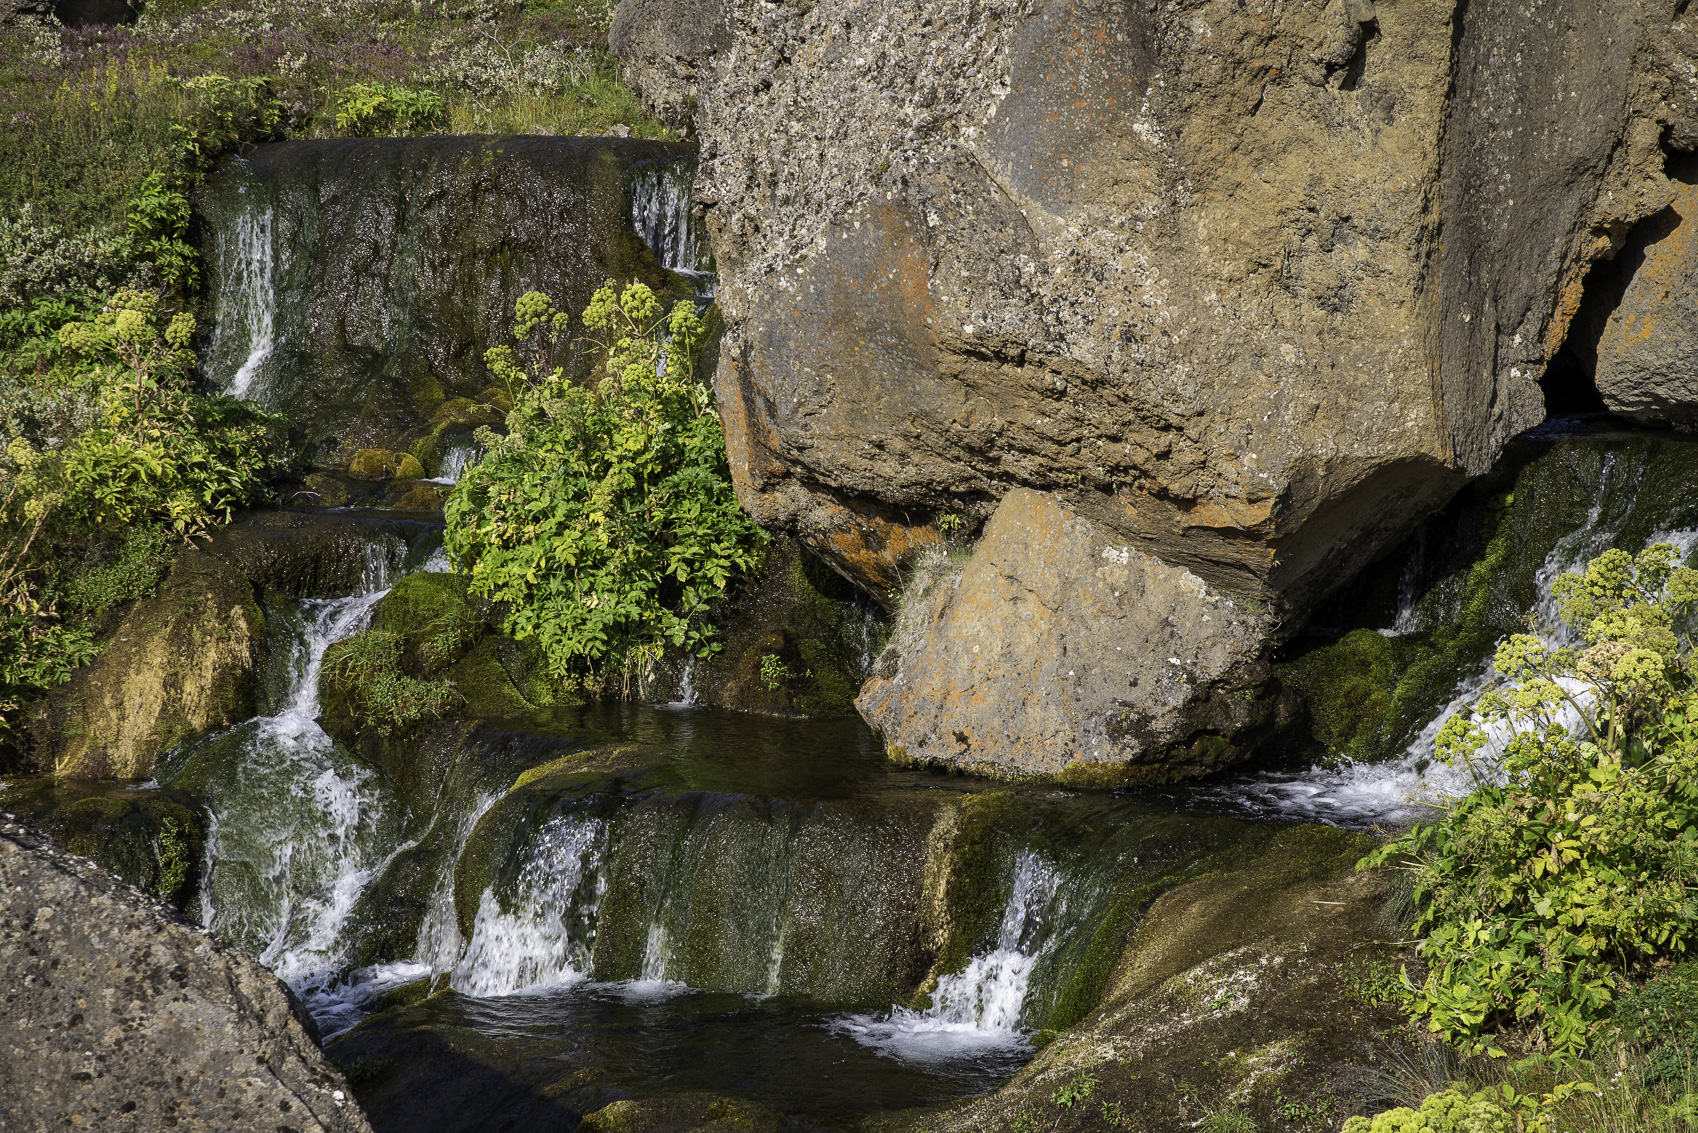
(382,464)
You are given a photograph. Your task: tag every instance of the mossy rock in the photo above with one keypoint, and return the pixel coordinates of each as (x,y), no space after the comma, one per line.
(381,464)
(150,838)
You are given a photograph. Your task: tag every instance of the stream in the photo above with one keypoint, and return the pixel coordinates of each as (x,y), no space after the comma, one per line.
(550,912)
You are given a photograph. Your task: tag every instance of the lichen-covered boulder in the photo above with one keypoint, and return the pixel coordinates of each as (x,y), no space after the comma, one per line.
(1058,650)
(121,1015)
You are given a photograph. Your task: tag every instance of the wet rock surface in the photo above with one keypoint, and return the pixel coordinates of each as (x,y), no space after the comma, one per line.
(1058,650)
(356,283)
(119,1015)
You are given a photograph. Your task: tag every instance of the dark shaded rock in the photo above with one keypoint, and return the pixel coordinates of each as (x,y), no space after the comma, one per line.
(392,264)
(120,1015)
(1057,650)
(149,838)
(682,1113)
(797,639)
(84,13)
(177,665)
(309,554)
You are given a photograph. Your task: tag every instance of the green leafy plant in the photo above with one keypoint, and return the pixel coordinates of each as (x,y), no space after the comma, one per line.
(774,672)
(1540,895)
(1075,1090)
(377,109)
(605,518)
(1227,1119)
(132,573)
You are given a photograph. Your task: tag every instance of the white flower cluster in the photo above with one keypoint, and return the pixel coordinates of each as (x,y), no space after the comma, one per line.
(36,38)
(43,259)
(487,66)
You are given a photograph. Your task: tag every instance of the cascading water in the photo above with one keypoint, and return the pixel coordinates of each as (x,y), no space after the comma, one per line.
(298,827)
(1361,793)
(983,1004)
(242,257)
(662,204)
(455,463)
(544,934)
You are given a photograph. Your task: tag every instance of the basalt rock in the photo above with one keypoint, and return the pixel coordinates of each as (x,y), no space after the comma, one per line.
(1250,287)
(120,1015)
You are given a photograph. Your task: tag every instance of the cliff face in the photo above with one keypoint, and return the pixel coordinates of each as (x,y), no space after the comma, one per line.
(1249,286)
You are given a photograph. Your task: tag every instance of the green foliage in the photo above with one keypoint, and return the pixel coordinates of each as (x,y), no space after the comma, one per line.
(1540,897)
(1075,1090)
(1660,1022)
(774,672)
(605,517)
(364,673)
(1451,1111)
(141,561)
(176,858)
(386,110)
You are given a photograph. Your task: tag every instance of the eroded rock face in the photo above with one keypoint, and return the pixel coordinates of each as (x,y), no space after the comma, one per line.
(119,1015)
(1059,650)
(1250,286)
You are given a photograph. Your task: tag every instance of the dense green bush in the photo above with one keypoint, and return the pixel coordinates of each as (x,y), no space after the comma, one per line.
(1541,896)
(605,518)
(380,109)
(363,676)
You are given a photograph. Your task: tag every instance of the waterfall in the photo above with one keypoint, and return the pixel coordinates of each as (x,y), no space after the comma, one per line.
(454,464)
(244,314)
(1362,793)
(297,826)
(687,695)
(983,1004)
(661,205)
(543,933)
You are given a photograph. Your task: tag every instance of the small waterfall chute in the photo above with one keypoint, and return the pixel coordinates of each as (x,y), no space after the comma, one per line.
(243,264)
(984,1004)
(542,932)
(662,211)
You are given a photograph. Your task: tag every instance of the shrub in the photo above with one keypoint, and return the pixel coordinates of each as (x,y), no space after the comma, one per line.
(1451,1111)
(606,516)
(142,559)
(1540,895)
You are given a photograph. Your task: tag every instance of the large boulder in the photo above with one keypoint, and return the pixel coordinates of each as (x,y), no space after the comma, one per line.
(121,1015)
(1058,650)
(1251,288)
(1647,353)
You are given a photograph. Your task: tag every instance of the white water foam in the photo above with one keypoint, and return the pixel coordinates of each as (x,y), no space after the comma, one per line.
(981,1006)
(544,934)
(688,697)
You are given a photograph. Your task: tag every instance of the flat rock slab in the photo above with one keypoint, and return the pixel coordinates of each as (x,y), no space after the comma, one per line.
(117,1014)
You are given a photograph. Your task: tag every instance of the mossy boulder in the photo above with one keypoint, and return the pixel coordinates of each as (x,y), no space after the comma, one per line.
(150,838)
(381,464)
(682,1113)
(405,692)
(175,666)
(796,640)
